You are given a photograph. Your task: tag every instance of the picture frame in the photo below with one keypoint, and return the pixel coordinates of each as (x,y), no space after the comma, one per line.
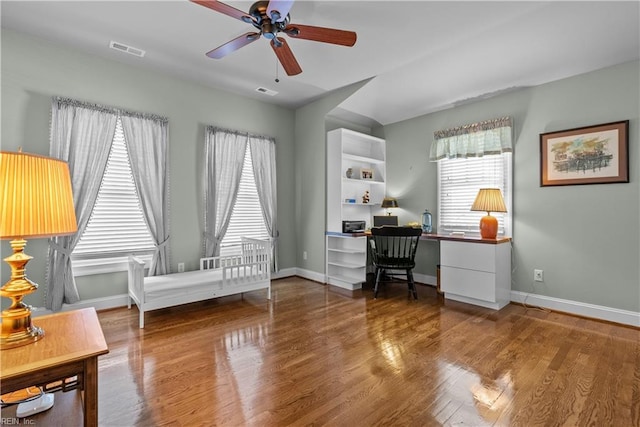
(597,154)
(366,174)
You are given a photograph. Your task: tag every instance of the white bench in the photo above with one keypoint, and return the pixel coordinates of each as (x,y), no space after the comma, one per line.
(217,277)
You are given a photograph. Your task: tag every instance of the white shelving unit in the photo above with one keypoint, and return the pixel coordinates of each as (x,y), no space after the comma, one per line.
(346,255)
(346,260)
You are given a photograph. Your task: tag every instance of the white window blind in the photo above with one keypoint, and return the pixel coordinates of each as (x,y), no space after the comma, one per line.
(458,183)
(246,219)
(117,227)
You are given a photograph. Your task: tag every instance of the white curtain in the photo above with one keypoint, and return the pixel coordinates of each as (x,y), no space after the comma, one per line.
(263,158)
(224,157)
(474,140)
(81,134)
(147,137)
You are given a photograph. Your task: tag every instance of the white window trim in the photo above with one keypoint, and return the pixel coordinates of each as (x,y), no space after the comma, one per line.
(88,267)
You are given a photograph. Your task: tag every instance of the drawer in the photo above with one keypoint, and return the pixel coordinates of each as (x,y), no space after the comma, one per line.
(472,256)
(473,284)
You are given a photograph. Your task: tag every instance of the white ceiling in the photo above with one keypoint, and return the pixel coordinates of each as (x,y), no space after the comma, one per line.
(421,56)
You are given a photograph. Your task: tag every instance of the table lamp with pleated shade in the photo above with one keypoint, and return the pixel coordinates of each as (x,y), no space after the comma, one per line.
(489,200)
(37,202)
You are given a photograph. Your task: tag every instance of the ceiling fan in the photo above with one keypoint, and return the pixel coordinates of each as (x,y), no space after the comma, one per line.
(272,18)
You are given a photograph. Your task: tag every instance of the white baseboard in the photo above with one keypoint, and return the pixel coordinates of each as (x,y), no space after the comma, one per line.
(610,314)
(311,275)
(426,279)
(104,303)
(285,272)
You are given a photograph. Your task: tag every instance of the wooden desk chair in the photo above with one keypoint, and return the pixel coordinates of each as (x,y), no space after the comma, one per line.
(393,249)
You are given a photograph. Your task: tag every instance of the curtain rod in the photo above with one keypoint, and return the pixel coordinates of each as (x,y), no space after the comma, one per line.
(61,101)
(473,127)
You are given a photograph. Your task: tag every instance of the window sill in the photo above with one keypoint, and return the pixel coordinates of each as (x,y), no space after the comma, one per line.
(88,267)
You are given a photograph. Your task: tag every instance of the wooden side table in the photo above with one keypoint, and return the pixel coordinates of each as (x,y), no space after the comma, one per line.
(70,348)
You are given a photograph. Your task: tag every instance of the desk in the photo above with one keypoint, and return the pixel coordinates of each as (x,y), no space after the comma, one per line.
(472,269)
(70,348)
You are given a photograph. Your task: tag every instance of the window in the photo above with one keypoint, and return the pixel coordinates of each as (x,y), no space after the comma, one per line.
(458,183)
(240,191)
(246,218)
(471,157)
(117,227)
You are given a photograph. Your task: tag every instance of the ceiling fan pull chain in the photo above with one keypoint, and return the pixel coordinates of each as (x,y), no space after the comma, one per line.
(277,79)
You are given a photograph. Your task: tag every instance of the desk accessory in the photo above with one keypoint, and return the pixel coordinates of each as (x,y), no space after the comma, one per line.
(34,406)
(427,225)
(389,203)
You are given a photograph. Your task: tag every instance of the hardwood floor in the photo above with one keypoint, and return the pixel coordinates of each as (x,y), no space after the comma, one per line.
(316,355)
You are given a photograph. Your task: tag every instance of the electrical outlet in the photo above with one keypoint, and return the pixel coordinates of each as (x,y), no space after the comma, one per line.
(304,255)
(538,275)
(181,267)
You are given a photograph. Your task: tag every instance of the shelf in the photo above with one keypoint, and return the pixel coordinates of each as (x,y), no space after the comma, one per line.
(347,251)
(362,181)
(362,159)
(66,411)
(345,264)
(345,279)
(374,203)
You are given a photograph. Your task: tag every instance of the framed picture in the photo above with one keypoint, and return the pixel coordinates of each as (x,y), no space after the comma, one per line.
(366,173)
(588,155)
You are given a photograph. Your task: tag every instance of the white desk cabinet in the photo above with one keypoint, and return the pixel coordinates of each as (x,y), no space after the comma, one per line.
(476,273)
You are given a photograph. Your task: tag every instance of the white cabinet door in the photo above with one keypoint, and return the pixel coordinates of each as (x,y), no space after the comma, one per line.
(469,255)
(473,284)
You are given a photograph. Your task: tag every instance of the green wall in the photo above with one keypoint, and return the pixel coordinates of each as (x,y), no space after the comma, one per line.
(586,238)
(34,70)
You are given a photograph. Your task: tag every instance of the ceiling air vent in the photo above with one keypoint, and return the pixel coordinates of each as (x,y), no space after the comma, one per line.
(127,49)
(266,91)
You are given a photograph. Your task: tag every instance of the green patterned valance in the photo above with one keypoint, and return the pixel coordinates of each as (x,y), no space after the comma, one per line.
(474,140)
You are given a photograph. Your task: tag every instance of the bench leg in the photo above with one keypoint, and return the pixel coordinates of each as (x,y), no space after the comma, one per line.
(141,319)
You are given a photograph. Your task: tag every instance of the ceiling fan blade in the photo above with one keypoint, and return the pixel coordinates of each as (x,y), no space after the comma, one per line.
(281,9)
(233,45)
(285,56)
(225,8)
(321,34)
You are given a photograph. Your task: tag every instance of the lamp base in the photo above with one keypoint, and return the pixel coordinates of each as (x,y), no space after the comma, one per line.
(17,329)
(488,227)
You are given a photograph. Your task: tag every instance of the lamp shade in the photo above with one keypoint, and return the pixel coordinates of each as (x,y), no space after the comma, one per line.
(389,202)
(36,197)
(489,200)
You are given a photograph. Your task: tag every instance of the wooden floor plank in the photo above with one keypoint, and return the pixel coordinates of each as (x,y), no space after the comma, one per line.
(314,355)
